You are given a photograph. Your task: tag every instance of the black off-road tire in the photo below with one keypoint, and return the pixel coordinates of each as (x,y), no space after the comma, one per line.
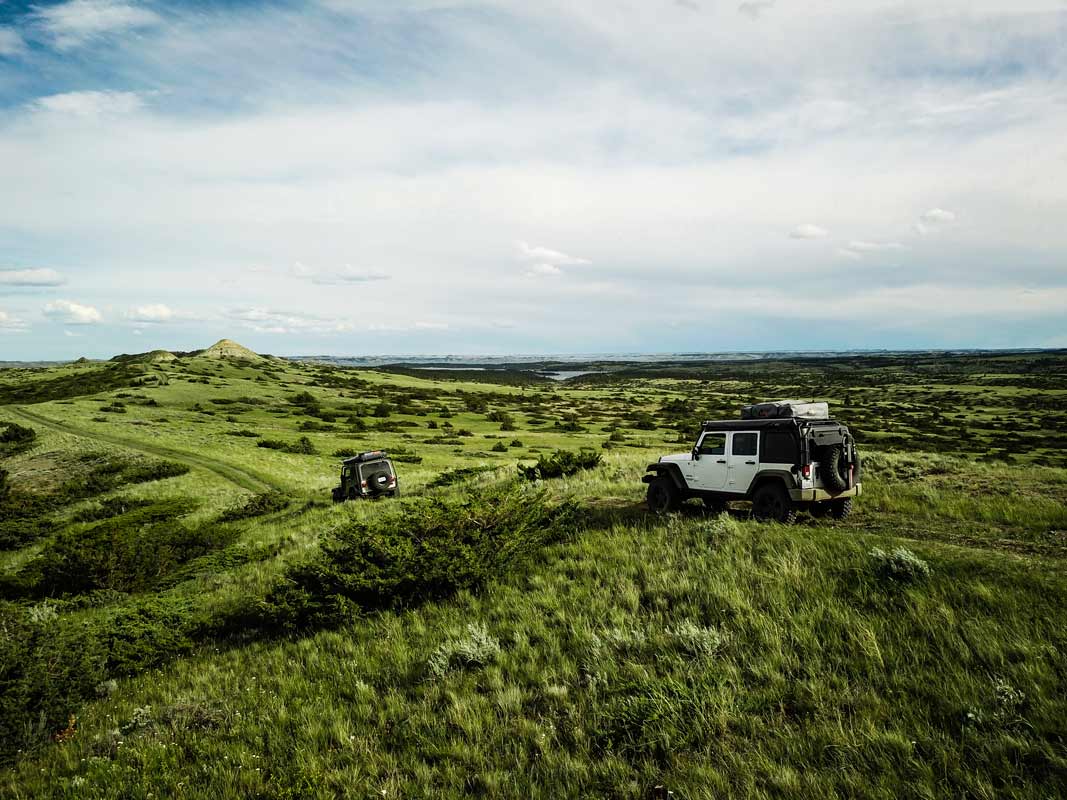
(771,503)
(662,497)
(335,493)
(833,466)
(373,486)
(840,509)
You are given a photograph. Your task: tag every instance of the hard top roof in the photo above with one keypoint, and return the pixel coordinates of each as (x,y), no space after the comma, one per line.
(370,455)
(760,424)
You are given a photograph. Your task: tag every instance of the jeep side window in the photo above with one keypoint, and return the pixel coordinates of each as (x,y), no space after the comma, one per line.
(713,444)
(745,444)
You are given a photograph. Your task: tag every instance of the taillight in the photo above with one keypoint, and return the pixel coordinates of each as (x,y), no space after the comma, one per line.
(806,470)
(363,484)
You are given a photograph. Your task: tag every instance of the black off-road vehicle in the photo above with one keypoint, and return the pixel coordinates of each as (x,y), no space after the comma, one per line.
(367,476)
(784,459)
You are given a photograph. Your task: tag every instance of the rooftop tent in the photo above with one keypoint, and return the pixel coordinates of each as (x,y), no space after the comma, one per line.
(779,409)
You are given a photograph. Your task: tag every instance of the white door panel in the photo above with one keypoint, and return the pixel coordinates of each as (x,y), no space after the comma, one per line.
(743,461)
(710,468)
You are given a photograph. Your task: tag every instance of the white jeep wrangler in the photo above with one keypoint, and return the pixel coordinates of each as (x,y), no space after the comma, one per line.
(782,465)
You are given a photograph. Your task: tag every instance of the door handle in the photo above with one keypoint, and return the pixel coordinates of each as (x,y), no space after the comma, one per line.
(750,462)
(721,461)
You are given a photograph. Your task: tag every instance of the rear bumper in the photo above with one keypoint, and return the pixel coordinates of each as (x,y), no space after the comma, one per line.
(815,495)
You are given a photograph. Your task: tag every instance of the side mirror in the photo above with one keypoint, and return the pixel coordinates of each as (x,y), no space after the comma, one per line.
(696,454)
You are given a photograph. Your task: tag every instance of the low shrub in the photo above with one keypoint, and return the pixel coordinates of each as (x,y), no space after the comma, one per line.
(453,476)
(900,566)
(257,505)
(111,507)
(302,446)
(246,433)
(426,549)
(128,553)
(499,447)
(50,664)
(476,649)
(15,438)
(560,464)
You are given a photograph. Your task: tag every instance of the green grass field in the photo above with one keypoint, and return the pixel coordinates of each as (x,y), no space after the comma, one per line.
(161,638)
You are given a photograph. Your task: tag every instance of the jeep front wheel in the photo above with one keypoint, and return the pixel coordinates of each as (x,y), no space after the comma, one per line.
(771,503)
(662,496)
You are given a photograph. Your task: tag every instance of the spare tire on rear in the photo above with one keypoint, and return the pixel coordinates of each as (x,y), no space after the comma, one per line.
(833,464)
(375,484)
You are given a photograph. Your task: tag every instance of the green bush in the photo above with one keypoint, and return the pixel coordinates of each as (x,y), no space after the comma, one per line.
(453,476)
(50,664)
(16,438)
(560,464)
(129,553)
(257,505)
(111,507)
(899,566)
(302,446)
(427,549)
(246,433)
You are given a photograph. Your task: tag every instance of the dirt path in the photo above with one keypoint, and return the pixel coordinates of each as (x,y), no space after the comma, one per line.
(242,477)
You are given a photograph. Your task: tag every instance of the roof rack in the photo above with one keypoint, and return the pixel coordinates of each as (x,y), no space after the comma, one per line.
(369,455)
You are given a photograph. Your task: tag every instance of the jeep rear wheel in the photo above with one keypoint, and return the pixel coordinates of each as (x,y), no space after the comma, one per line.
(839,509)
(662,496)
(771,503)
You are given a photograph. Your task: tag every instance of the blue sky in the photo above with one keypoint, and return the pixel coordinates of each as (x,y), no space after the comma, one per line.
(496,176)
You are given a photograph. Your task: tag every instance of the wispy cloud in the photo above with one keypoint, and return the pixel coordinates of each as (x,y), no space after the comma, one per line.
(857,248)
(90,103)
(9,323)
(542,262)
(31,277)
(11,43)
(345,275)
(75,23)
(268,320)
(934,219)
(808,231)
(157,313)
(71,313)
(754,8)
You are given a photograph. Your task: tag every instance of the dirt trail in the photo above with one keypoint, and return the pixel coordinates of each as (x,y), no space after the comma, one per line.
(242,477)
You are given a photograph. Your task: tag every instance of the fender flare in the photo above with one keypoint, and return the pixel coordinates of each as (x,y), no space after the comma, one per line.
(670,471)
(771,475)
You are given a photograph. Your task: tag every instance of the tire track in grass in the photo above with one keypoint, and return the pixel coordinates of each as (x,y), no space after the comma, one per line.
(244,478)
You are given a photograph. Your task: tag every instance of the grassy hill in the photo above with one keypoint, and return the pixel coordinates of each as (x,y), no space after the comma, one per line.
(183,607)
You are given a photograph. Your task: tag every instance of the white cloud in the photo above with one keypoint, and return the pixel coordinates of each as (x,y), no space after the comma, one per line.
(90,103)
(934,219)
(544,261)
(12,324)
(11,43)
(153,312)
(543,270)
(808,231)
(346,274)
(431,326)
(76,22)
(754,8)
(857,248)
(71,313)
(31,277)
(546,255)
(267,320)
